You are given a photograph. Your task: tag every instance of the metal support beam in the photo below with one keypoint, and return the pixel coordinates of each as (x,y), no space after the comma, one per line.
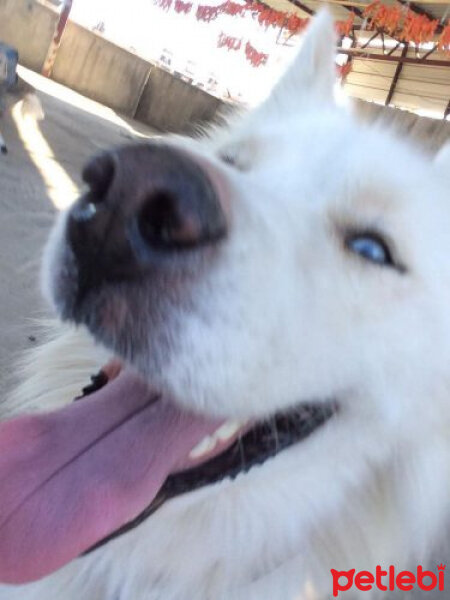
(56,41)
(392,50)
(303,7)
(401,59)
(447,110)
(357,11)
(397,74)
(430,52)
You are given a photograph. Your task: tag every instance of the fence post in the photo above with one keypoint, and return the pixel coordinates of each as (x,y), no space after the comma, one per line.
(56,41)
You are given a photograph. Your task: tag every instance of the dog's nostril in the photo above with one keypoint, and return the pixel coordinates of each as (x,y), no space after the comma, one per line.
(164,224)
(99,174)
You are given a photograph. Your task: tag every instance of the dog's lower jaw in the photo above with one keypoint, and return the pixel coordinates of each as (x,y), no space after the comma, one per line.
(330,502)
(273,533)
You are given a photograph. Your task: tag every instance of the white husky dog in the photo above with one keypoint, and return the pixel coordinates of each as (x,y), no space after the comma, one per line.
(275,299)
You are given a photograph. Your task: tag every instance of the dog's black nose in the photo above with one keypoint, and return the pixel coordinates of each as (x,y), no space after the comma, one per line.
(144,202)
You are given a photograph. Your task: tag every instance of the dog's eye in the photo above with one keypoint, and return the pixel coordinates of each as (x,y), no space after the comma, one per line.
(228,158)
(237,156)
(370,247)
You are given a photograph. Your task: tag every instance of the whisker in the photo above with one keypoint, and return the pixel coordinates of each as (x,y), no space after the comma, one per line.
(274,430)
(241,452)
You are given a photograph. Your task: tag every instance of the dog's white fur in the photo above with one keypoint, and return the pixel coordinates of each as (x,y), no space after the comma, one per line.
(296,317)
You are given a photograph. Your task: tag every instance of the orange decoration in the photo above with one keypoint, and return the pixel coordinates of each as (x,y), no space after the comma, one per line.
(444,40)
(182,7)
(418,28)
(405,26)
(344,70)
(256,58)
(400,23)
(207,13)
(344,28)
(229,42)
(294,24)
(164,4)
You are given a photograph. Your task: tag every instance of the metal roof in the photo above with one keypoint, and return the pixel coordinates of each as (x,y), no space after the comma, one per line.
(383,70)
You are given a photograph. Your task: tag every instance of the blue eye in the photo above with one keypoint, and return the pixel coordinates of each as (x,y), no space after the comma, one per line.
(371,248)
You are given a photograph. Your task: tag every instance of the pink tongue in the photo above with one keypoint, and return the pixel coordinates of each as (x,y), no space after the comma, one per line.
(70,478)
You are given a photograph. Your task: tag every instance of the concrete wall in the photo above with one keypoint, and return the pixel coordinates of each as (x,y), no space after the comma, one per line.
(171,104)
(431,134)
(99,69)
(29,27)
(103,71)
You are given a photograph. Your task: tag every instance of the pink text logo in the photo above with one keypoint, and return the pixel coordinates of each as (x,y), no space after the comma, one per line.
(405,581)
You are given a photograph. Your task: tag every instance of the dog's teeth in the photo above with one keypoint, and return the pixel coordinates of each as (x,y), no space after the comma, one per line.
(227,430)
(204,447)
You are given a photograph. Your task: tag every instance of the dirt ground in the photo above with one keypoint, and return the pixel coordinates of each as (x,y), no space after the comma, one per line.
(39,176)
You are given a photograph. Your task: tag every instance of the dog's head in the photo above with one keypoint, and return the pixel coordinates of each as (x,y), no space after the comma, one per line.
(294,257)
(289,257)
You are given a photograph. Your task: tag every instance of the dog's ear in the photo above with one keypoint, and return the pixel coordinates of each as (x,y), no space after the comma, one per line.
(312,75)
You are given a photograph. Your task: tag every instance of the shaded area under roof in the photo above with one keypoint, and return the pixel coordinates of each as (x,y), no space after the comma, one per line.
(383,70)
